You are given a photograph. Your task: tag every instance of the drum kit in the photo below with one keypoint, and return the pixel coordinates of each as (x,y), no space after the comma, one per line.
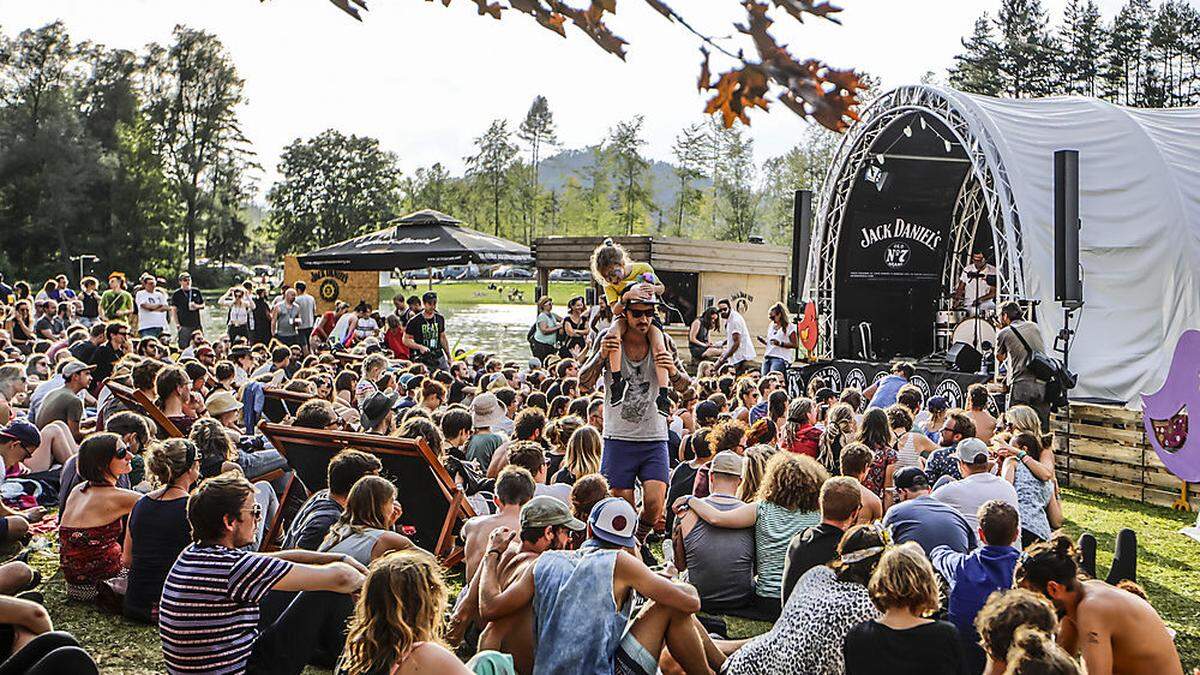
(955,324)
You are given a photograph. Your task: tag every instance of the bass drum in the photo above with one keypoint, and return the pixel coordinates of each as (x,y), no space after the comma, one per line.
(975,332)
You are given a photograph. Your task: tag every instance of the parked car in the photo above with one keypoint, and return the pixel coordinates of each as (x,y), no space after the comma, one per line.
(461,272)
(570,275)
(511,272)
(423,274)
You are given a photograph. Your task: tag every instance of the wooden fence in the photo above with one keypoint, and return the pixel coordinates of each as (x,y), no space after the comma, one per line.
(1108,453)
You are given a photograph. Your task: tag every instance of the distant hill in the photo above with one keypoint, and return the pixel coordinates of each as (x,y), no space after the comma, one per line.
(558,168)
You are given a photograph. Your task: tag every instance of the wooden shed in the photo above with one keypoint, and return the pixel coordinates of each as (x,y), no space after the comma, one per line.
(696,272)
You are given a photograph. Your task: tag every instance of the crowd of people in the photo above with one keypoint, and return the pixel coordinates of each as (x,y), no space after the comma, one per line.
(628,496)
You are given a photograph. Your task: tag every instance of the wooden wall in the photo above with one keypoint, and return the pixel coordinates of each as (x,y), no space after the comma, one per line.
(329,286)
(1109,454)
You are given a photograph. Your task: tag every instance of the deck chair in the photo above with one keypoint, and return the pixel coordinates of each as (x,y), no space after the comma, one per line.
(279,403)
(138,401)
(433,504)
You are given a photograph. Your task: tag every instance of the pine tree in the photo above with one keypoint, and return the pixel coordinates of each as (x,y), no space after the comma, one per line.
(1084,40)
(977,70)
(688,150)
(488,168)
(1029,57)
(633,191)
(536,130)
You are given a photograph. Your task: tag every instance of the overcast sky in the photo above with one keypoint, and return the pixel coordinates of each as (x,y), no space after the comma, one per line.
(426,79)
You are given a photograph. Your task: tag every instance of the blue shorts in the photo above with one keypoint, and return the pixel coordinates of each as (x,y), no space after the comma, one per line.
(623,462)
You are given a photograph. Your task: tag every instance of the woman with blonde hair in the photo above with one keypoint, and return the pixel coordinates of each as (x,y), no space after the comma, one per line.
(583,456)
(364,530)
(903,640)
(785,504)
(753,470)
(1021,419)
(840,430)
(398,620)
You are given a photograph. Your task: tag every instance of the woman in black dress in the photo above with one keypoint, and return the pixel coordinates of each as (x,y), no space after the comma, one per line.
(698,342)
(575,329)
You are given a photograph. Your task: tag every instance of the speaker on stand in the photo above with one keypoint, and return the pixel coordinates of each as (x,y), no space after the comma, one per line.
(801,240)
(964,358)
(1068,278)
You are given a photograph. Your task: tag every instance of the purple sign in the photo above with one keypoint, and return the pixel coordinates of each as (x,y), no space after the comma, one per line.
(1165,412)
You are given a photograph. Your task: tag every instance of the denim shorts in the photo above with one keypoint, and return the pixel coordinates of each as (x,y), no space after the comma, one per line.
(624,462)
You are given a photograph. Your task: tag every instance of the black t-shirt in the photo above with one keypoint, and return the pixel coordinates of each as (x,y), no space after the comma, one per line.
(554,462)
(427,332)
(180,299)
(103,358)
(83,350)
(683,479)
(810,547)
(91,305)
(872,648)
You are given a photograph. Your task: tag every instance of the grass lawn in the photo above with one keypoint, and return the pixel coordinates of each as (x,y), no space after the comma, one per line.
(489,291)
(1168,568)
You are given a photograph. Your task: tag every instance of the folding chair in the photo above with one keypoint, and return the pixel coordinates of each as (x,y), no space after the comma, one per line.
(137,400)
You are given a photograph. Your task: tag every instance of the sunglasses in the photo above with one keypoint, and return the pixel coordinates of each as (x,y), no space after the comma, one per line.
(122,452)
(641,313)
(255,511)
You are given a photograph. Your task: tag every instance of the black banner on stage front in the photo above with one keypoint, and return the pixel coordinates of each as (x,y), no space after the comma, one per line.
(861,374)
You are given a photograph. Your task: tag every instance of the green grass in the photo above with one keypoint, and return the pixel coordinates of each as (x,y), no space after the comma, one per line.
(1168,568)
(478,293)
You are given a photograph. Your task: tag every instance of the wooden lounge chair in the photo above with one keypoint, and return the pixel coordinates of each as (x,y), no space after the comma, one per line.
(280,403)
(433,504)
(137,400)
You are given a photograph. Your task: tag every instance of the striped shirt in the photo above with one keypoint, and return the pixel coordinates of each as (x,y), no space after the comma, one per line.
(774,528)
(208,616)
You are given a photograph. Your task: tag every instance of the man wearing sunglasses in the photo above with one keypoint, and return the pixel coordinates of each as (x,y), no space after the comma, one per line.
(635,431)
(210,617)
(18,440)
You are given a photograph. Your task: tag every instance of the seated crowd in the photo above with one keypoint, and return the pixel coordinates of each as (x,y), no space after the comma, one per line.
(876,532)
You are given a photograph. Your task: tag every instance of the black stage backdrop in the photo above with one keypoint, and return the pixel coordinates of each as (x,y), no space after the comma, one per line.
(843,373)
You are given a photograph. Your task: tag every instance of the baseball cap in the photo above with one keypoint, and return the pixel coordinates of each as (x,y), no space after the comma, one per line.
(613,520)
(404,379)
(544,511)
(971,450)
(911,478)
(205,349)
(184,275)
(376,407)
(75,367)
(937,403)
(727,462)
(116,275)
(24,432)
(429,296)
(824,393)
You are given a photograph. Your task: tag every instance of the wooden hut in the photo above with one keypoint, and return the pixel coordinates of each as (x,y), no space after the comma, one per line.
(696,272)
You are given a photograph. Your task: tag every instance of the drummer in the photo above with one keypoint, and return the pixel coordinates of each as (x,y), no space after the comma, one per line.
(976,291)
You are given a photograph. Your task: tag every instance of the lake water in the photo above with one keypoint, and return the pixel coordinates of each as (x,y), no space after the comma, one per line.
(496,329)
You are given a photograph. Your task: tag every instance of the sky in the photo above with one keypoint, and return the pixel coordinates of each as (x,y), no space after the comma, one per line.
(426,79)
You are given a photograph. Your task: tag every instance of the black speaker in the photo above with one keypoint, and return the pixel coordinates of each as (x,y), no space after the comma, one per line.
(1068,286)
(801,239)
(964,358)
(842,345)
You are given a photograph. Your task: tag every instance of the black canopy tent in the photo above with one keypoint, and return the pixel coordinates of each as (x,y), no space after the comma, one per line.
(419,240)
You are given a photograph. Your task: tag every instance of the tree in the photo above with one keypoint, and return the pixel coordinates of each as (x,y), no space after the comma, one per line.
(145,215)
(1028,54)
(332,187)
(595,183)
(1126,51)
(633,193)
(738,202)
(804,167)
(689,152)
(808,87)
(428,189)
(1083,38)
(488,168)
(977,70)
(193,95)
(536,130)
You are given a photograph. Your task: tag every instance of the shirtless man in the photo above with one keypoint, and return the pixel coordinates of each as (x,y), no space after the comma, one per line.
(1116,631)
(985,422)
(854,462)
(546,525)
(514,487)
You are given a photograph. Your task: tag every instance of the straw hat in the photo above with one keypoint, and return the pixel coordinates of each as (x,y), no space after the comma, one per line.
(222,402)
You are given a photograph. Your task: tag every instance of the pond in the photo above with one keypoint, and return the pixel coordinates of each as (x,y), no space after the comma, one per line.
(496,329)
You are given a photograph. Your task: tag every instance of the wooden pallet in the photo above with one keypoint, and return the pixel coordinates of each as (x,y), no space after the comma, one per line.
(1108,453)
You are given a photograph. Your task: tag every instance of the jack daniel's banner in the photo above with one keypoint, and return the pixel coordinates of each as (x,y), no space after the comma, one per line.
(880,247)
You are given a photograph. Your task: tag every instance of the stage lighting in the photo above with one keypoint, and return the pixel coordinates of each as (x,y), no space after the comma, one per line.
(908,131)
(947,144)
(922,122)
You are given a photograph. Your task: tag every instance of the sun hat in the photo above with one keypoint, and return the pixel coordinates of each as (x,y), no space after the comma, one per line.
(24,432)
(486,411)
(727,462)
(613,520)
(221,402)
(544,511)
(971,450)
(376,407)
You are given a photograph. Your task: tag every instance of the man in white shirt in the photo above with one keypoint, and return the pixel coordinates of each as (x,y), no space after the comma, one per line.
(978,484)
(308,310)
(739,346)
(152,308)
(976,291)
